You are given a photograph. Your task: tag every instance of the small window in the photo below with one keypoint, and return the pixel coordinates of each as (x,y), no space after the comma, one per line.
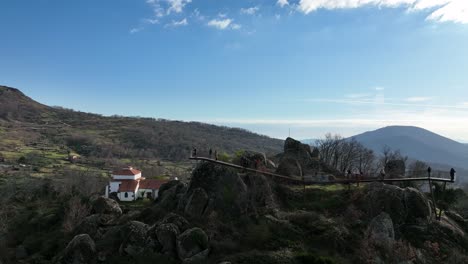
(126,195)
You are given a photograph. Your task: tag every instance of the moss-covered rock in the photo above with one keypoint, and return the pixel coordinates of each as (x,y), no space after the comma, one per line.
(193,245)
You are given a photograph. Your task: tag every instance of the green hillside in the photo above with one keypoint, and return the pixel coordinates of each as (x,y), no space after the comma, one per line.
(28,126)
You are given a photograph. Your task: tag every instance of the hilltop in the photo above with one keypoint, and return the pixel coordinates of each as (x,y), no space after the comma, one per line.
(24,121)
(417,143)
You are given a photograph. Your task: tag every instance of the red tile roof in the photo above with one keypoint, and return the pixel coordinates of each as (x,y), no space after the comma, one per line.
(152,184)
(126,171)
(128,186)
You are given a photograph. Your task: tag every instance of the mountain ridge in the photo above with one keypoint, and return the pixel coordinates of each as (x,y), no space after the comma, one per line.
(416,143)
(23,119)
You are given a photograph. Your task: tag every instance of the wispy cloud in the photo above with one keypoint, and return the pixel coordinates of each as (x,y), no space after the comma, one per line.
(282,3)
(151,21)
(250,10)
(378,88)
(223,24)
(441,10)
(388,102)
(358,95)
(135,30)
(179,23)
(418,99)
(177,5)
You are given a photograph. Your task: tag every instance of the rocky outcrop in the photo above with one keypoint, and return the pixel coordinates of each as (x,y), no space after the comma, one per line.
(196,203)
(404,206)
(298,159)
(380,231)
(193,245)
(181,223)
(170,194)
(106,206)
(81,250)
(251,159)
(214,188)
(167,236)
(134,238)
(92,224)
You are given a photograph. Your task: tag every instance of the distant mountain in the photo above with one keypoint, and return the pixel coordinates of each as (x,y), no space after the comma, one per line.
(417,143)
(25,121)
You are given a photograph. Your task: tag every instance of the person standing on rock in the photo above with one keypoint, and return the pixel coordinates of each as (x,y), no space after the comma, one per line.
(194,152)
(452,174)
(382,174)
(216,155)
(210,152)
(429,170)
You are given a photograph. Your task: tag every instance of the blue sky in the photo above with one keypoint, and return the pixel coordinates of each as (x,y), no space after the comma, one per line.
(312,66)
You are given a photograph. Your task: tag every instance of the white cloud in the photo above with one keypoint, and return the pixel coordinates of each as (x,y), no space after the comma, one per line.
(418,99)
(378,88)
(177,6)
(250,10)
(453,11)
(441,10)
(135,30)
(236,26)
(282,3)
(220,23)
(179,23)
(389,102)
(358,95)
(196,13)
(151,21)
(223,24)
(166,7)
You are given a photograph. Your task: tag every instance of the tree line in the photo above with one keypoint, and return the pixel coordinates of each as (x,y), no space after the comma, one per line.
(344,154)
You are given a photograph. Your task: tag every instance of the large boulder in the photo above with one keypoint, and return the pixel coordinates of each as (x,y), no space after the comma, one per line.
(404,206)
(134,237)
(289,167)
(251,159)
(91,224)
(193,245)
(167,236)
(381,231)
(170,193)
(417,205)
(81,250)
(260,193)
(301,152)
(196,203)
(297,159)
(181,223)
(225,190)
(109,243)
(106,206)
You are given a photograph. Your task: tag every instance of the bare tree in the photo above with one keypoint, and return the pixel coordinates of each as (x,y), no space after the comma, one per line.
(75,212)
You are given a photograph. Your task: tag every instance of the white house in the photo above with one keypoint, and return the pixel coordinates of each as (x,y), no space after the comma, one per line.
(129,185)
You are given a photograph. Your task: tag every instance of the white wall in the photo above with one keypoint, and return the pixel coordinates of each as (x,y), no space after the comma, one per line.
(131,196)
(126,177)
(114,186)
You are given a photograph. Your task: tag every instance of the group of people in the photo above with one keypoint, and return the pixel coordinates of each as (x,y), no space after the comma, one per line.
(452,173)
(210,153)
